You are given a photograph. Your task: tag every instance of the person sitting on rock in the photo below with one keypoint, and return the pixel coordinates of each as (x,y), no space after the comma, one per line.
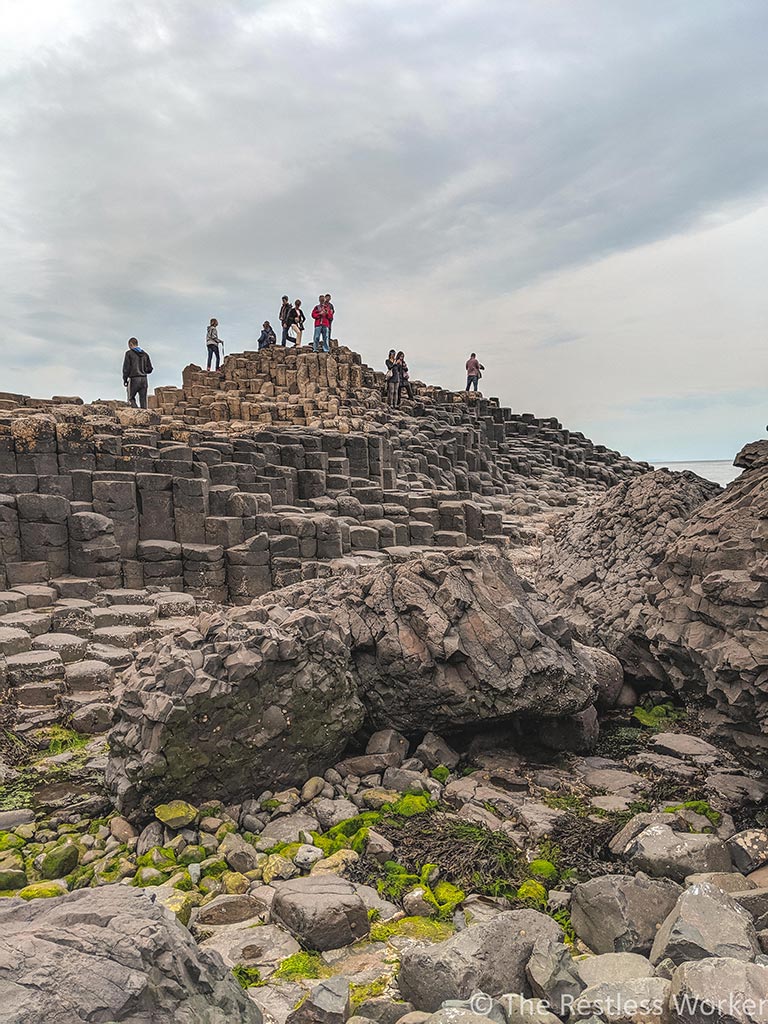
(296,320)
(212,343)
(136,366)
(474,374)
(393,379)
(267,336)
(322,317)
(283,317)
(404,383)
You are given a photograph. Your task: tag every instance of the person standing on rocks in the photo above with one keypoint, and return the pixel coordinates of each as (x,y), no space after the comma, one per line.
(284,319)
(296,320)
(393,379)
(322,317)
(212,343)
(404,384)
(332,313)
(474,371)
(136,367)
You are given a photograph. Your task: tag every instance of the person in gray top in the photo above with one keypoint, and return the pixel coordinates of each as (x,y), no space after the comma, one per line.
(212,342)
(136,367)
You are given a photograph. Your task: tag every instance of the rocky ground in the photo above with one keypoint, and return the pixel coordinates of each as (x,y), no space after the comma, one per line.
(309,715)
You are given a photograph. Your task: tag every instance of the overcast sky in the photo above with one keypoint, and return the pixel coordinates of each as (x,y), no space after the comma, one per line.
(577,190)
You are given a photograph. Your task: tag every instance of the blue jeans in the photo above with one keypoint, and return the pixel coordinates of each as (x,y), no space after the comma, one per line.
(321,334)
(472,380)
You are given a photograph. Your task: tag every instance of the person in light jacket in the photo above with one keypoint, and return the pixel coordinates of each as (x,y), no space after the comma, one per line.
(212,343)
(474,368)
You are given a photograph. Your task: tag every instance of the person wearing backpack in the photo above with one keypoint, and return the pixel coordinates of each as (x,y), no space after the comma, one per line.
(136,367)
(212,343)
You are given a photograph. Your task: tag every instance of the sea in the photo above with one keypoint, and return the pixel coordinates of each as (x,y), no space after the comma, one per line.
(720,471)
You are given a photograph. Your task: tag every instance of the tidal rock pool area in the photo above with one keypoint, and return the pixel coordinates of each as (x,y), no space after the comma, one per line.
(315,711)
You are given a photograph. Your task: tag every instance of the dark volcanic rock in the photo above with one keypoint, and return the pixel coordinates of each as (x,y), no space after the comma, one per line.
(232,710)
(597,565)
(711,604)
(110,954)
(450,640)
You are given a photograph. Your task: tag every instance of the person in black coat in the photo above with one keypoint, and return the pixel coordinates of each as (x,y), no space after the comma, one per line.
(136,367)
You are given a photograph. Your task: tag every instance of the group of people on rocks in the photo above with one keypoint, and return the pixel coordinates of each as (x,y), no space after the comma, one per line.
(292,320)
(137,365)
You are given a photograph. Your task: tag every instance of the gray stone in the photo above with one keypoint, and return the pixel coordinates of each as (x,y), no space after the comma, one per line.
(613,968)
(749,849)
(327,1003)
(727,881)
(434,751)
(263,947)
(634,1001)
(225,909)
(621,913)
(705,922)
(322,911)
(488,957)
(699,988)
(332,812)
(477,909)
(520,1010)
(289,828)
(553,975)
(139,962)
(239,854)
(663,853)
(388,741)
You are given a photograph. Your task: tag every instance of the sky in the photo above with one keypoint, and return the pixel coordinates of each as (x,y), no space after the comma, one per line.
(577,190)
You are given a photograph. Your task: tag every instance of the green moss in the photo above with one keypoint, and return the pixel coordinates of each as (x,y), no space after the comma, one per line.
(570,802)
(544,870)
(657,716)
(533,892)
(563,918)
(215,869)
(42,890)
(62,740)
(410,804)
(247,977)
(270,805)
(425,929)
(306,964)
(698,807)
(160,857)
(185,883)
(8,841)
(396,881)
(358,993)
(373,914)
(441,773)
(59,861)
(81,877)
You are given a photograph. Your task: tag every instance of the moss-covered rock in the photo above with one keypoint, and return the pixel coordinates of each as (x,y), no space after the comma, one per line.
(59,861)
(192,855)
(276,866)
(233,882)
(542,869)
(337,864)
(533,892)
(176,814)
(10,841)
(12,878)
(42,891)
(213,867)
(146,876)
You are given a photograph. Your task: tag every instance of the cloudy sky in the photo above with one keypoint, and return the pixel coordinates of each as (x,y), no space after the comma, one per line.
(575,189)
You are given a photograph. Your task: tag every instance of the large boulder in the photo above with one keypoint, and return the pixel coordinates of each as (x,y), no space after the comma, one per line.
(110,954)
(450,639)
(708,626)
(321,911)
(622,913)
(720,989)
(489,958)
(706,922)
(231,708)
(662,852)
(598,562)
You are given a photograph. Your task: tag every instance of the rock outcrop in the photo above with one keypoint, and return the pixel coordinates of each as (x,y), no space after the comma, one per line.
(600,560)
(710,618)
(110,954)
(270,694)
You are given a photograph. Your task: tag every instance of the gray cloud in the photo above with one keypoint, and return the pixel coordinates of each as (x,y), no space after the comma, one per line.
(174,159)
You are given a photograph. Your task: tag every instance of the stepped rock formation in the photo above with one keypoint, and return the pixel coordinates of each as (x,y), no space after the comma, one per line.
(267,695)
(597,566)
(710,620)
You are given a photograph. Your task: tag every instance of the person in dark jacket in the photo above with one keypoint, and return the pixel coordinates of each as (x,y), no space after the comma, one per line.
(404,383)
(136,367)
(284,310)
(393,379)
(295,321)
(267,336)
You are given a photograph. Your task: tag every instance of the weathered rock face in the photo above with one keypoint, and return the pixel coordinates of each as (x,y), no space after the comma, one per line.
(270,694)
(598,563)
(450,640)
(231,708)
(711,603)
(110,954)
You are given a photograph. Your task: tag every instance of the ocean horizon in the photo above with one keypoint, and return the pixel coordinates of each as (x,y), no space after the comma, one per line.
(720,471)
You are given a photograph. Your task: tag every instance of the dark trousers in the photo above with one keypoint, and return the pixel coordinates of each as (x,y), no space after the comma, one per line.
(405,386)
(472,382)
(213,353)
(138,386)
(284,341)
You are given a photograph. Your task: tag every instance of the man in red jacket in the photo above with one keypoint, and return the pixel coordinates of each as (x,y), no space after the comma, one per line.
(322,317)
